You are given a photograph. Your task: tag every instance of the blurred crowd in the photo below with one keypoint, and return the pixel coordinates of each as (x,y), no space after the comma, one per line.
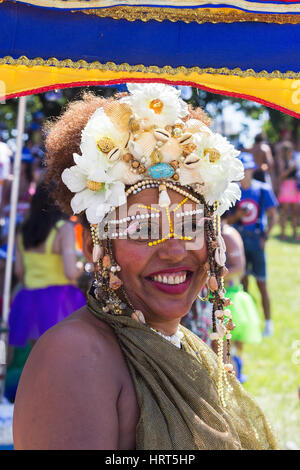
(48,261)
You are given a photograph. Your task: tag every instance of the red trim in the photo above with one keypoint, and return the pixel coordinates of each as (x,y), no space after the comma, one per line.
(160,80)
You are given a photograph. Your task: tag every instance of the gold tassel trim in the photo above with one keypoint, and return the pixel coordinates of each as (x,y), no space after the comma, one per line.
(167,69)
(189,15)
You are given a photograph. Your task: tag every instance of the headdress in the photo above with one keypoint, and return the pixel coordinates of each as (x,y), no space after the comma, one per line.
(149,139)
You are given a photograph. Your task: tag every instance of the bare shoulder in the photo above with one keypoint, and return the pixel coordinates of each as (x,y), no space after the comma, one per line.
(69,389)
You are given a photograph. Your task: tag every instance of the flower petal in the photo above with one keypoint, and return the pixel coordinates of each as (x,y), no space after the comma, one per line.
(74,179)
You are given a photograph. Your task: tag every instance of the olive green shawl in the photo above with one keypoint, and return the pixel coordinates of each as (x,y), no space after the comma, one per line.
(177,394)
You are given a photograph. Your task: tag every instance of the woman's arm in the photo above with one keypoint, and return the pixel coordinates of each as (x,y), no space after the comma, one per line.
(67,250)
(19,265)
(234,253)
(68,393)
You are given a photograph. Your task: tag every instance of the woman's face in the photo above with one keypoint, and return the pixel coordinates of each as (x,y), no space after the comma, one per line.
(164,279)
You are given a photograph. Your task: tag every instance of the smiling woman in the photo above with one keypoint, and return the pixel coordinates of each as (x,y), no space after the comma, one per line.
(122,373)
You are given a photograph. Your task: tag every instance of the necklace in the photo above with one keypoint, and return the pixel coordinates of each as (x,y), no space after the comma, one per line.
(174,339)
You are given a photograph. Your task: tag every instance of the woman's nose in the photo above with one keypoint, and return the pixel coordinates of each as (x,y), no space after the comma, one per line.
(172,250)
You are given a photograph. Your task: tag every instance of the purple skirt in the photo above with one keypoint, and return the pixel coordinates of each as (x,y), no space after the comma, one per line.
(34,311)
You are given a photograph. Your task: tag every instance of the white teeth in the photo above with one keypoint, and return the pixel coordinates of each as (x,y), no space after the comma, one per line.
(170,279)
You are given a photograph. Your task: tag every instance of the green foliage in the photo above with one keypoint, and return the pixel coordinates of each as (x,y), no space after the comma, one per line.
(273,365)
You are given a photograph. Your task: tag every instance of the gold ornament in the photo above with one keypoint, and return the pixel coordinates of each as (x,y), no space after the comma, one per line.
(156,105)
(94,185)
(105,144)
(213,154)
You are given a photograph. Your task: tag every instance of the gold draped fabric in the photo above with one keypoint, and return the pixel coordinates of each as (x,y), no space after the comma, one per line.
(177,393)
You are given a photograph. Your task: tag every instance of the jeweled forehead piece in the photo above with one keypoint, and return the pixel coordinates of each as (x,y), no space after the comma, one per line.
(145,136)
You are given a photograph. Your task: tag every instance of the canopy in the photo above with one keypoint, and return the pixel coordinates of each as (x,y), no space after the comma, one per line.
(243,48)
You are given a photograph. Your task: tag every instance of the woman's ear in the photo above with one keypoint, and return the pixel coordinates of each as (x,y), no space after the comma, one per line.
(87,244)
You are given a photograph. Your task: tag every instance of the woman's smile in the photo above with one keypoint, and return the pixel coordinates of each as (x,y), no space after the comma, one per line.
(173,281)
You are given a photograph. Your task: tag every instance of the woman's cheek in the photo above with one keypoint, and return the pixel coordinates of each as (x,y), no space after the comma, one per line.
(132,257)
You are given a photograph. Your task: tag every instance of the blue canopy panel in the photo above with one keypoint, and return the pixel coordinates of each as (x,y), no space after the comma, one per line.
(240,48)
(39,32)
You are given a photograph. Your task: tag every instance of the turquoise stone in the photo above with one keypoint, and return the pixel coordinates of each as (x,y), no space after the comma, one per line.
(161,170)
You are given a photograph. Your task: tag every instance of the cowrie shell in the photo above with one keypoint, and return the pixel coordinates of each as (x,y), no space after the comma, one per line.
(114,154)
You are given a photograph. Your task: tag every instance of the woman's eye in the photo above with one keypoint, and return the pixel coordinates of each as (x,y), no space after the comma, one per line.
(189,228)
(145,231)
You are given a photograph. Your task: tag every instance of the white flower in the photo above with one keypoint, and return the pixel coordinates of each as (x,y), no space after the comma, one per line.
(106,192)
(98,127)
(156,103)
(218,174)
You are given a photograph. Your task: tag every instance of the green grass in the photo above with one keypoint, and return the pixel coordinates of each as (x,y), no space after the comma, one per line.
(273,366)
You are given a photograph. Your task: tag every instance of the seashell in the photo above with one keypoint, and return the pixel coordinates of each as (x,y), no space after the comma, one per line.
(146,143)
(221,331)
(106,262)
(186,138)
(134,125)
(221,242)
(195,125)
(114,154)
(164,200)
(97,253)
(191,161)
(220,256)
(190,176)
(122,171)
(114,282)
(224,271)
(161,134)
(119,113)
(219,313)
(212,283)
(170,151)
(138,316)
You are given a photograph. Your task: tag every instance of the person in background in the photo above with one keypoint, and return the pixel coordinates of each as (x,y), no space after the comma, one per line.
(199,318)
(26,190)
(5,154)
(254,217)
(264,160)
(243,309)
(289,194)
(46,265)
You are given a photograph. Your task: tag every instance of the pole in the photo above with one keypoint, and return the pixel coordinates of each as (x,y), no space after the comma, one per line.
(11,242)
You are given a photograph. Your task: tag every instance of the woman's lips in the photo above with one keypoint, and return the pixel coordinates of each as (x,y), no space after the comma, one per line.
(171,281)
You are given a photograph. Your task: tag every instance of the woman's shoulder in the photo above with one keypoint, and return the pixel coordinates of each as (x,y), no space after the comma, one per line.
(73,369)
(81,334)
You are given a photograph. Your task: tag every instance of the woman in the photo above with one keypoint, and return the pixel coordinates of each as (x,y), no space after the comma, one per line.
(243,309)
(289,194)
(121,373)
(46,265)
